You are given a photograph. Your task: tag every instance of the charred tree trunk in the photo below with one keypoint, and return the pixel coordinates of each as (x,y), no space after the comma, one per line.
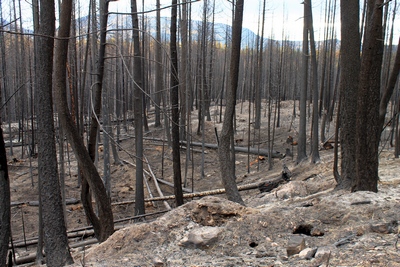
(349,79)
(103,225)
(315,119)
(55,238)
(174,91)
(227,163)
(367,145)
(138,109)
(5,211)
(301,148)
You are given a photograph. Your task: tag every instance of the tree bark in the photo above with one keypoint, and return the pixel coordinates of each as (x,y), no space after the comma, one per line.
(389,88)
(103,225)
(301,148)
(55,238)
(158,71)
(227,165)
(315,118)
(259,72)
(5,211)
(183,73)
(368,128)
(349,80)
(174,91)
(138,109)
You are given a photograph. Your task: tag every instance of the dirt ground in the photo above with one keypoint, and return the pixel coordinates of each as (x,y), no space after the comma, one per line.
(257,235)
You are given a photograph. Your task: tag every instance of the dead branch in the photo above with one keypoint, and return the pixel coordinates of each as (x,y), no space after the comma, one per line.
(199,194)
(167,206)
(158,179)
(172,185)
(256,151)
(35,203)
(251,150)
(345,240)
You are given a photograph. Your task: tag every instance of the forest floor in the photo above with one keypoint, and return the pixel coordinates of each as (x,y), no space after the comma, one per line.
(336,228)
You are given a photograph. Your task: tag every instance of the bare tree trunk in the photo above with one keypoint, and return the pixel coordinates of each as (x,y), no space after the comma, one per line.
(55,239)
(158,70)
(367,145)
(388,92)
(258,83)
(138,109)
(174,91)
(302,142)
(145,73)
(397,135)
(349,79)
(103,225)
(98,85)
(5,81)
(62,170)
(106,141)
(183,73)
(227,134)
(5,211)
(315,140)
(35,15)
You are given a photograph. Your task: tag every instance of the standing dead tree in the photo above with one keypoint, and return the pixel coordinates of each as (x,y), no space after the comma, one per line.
(103,224)
(5,211)
(227,163)
(315,143)
(138,112)
(301,148)
(349,68)
(174,92)
(55,238)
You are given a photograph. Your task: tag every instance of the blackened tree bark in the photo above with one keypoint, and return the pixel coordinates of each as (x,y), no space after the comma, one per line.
(368,128)
(158,71)
(35,16)
(55,238)
(103,224)
(5,212)
(174,94)
(259,71)
(315,118)
(138,109)
(349,80)
(183,73)
(389,87)
(227,164)
(98,85)
(301,148)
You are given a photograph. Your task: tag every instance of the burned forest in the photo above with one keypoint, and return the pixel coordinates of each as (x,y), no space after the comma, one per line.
(199,133)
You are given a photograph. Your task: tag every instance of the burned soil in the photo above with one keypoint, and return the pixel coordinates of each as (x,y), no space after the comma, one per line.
(302,222)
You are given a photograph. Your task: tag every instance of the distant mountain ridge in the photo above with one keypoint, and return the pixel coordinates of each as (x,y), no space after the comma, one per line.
(220,29)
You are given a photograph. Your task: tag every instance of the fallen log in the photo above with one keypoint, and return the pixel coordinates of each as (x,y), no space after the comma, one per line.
(205,193)
(256,151)
(251,150)
(184,189)
(68,201)
(32,257)
(158,179)
(167,206)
